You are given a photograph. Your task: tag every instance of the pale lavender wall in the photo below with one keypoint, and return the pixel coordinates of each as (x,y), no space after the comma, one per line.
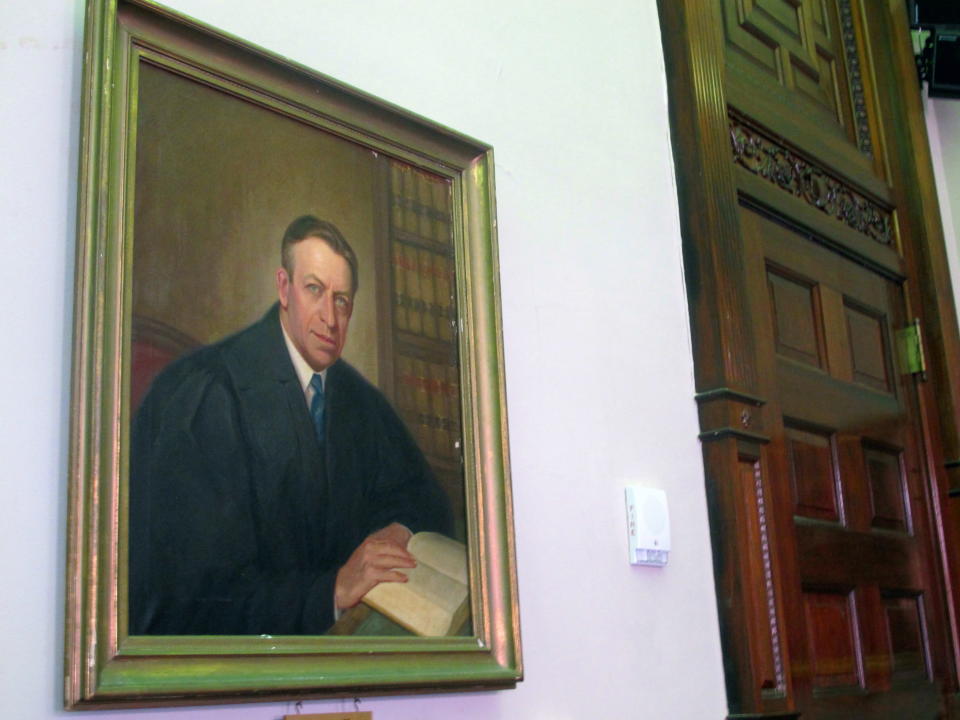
(572,97)
(943,128)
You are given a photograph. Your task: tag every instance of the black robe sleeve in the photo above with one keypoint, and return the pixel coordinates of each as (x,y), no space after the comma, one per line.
(198,564)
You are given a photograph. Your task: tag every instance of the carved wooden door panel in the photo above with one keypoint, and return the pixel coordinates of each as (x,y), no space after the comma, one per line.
(824,503)
(862,614)
(860,604)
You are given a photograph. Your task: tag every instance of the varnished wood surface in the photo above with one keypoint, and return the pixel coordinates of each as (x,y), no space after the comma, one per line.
(805,251)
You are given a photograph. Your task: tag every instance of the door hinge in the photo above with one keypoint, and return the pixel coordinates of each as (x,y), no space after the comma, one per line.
(910,348)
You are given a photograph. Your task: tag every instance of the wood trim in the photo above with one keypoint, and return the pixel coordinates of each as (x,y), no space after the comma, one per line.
(933,291)
(693,50)
(725,393)
(931,299)
(723,345)
(734,432)
(767,199)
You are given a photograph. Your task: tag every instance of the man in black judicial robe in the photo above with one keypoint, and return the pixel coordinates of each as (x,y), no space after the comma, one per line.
(246,516)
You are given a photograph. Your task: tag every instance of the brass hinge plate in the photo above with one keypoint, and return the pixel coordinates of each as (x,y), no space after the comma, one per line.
(910,350)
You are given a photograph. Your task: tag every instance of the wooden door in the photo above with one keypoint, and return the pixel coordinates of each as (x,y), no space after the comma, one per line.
(863,615)
(806,244)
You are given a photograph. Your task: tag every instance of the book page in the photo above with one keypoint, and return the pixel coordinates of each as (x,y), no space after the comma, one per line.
(429,603)
(440,552)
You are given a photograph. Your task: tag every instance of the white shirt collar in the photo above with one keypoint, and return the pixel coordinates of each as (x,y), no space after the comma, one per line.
(302,367)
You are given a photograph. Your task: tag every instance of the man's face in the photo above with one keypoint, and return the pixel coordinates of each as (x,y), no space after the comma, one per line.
(316,303)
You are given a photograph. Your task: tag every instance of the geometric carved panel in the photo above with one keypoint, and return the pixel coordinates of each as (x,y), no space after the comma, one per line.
(792,45)
(869,350)
(887,490)
(905,629)
(832,640)
(813,474)
(817,80)
(795,317)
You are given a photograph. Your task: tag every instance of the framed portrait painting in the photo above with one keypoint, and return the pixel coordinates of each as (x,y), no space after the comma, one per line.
(289,472)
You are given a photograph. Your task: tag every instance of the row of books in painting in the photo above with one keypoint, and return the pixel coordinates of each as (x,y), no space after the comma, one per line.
(428,396)
(423,291)
(421,204)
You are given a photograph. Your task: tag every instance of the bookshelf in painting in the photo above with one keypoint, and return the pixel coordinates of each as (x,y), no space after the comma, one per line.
(421,350)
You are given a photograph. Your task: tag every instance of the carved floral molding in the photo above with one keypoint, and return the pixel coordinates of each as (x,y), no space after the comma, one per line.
(765,157)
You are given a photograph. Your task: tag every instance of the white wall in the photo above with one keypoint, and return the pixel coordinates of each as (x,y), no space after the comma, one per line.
(572,97)
(943,128)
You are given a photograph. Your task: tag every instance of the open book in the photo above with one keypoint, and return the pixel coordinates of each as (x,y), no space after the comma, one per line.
(435,598)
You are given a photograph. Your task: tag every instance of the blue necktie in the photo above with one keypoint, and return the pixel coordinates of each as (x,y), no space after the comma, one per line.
(316,405)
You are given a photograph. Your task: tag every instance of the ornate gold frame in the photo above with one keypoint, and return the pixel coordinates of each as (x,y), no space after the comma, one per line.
(104,666)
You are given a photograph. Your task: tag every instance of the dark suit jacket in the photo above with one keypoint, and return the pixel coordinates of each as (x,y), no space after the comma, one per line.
(238,520)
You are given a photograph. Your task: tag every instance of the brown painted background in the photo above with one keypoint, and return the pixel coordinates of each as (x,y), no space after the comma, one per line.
(218,180)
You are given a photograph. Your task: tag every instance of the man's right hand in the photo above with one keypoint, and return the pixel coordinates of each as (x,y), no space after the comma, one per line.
(373,562)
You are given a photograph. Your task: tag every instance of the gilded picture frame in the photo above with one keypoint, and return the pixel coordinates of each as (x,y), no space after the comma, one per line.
(140,60)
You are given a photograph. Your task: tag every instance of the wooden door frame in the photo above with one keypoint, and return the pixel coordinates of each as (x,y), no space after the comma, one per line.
(732,423)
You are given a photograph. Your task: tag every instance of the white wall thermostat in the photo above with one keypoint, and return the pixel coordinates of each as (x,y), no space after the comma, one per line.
(648,526)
